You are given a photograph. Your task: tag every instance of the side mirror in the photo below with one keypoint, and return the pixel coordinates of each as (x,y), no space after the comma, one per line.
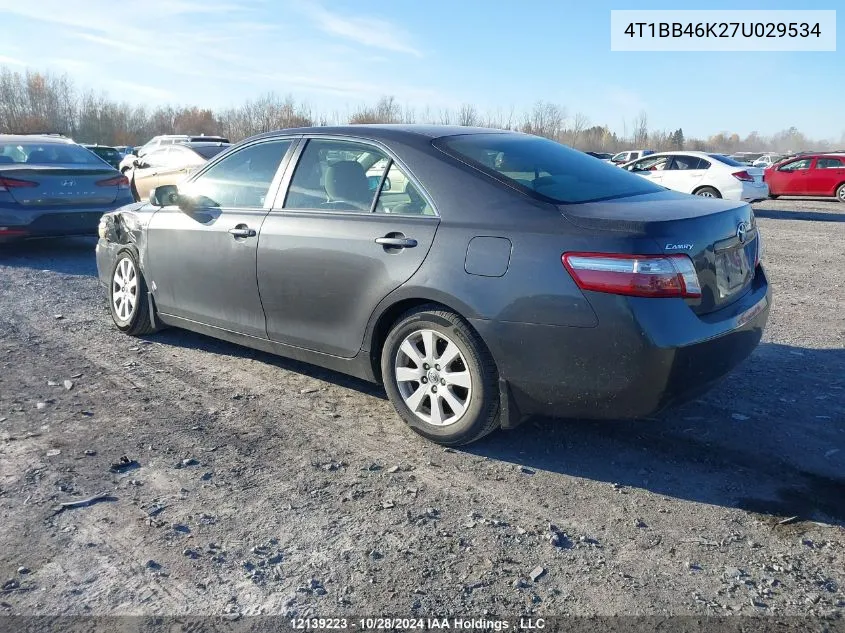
(164,196)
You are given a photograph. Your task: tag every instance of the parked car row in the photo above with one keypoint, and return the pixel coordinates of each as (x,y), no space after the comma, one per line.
(702,174)
(748,176)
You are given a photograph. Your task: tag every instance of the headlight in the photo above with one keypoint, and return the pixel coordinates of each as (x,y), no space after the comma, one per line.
(101,229)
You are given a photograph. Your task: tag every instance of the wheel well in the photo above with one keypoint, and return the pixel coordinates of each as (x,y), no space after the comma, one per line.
(697,189)
(387,320)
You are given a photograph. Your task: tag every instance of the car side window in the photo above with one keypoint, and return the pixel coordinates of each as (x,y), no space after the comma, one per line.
(797,165)
(829,163)
(399,195)
(242,179)
(337,175)
(684,163)
(652,163)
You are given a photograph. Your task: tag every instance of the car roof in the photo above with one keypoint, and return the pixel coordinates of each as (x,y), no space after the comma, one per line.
(388,131)
(202,144)
(678,152)
(35,138)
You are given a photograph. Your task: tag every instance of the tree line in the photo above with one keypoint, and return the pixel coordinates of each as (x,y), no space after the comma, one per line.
(36,102)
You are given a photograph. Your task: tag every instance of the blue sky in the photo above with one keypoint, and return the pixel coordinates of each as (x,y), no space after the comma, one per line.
(495,54)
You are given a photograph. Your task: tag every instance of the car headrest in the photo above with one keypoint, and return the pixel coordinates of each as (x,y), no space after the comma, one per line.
(346,180)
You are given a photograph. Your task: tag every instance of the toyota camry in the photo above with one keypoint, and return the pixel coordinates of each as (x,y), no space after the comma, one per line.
(509,275)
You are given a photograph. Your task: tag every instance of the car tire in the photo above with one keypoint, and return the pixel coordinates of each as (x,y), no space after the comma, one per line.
(467,405)
(773,196)
(708,192)
(128,302)
(840,192)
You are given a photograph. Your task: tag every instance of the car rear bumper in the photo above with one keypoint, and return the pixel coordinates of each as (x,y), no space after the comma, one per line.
(754,191)
(644,355)
(20,224)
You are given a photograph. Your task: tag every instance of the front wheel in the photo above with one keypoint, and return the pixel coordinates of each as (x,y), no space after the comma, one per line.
(840,193)
(128,303)
(440,377)
(708,192)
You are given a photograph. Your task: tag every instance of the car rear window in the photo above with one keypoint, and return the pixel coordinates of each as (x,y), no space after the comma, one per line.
(727,160)
(47,154)
(543,168)
(106,152)
(210,151)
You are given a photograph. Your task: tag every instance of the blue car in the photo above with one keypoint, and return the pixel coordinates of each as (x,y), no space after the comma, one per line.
(52,187)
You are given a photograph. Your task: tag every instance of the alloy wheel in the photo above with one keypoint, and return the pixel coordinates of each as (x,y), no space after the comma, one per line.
(124,289)
(433,377)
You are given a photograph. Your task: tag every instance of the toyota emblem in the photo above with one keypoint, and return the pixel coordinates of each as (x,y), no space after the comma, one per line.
(742,231)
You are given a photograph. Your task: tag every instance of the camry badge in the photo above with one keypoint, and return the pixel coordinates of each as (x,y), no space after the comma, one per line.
(678,247)
(742,231)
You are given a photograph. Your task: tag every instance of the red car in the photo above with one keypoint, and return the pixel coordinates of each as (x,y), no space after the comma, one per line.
(808,175)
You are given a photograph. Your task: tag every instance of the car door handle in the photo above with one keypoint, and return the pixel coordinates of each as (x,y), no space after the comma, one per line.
(242,231)
(396,242)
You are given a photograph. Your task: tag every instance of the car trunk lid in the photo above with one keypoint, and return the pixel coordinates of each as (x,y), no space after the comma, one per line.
(61,185)
(720,237)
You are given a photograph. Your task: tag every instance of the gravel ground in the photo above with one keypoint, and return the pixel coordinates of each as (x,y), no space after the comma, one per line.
(259,485)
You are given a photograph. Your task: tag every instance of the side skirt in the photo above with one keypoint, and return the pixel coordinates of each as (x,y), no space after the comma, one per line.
(357,366)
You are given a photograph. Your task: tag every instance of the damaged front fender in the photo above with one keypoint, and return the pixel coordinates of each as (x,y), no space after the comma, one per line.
(118,229)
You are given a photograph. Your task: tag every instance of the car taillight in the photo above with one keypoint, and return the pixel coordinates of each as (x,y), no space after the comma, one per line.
(743,175)
(122,182)
(14,183)
(760,249)
(634,275)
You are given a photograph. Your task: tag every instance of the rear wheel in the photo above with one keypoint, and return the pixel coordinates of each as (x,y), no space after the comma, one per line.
(708,192)
(840,193)
(773,196)
(128,303)
(440,377)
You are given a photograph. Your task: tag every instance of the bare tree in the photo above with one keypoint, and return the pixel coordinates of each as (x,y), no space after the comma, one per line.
(641,129)
(43,102)
(468,115)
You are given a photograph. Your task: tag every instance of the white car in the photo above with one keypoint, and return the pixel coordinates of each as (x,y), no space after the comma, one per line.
(702,174)
(766,161)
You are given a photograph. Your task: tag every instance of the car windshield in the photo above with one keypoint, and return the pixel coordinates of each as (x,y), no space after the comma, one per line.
(47,154)
(727,160)
(544,168)
(210,150)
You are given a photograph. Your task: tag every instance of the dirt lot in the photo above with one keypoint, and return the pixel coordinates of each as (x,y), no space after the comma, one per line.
(260,485)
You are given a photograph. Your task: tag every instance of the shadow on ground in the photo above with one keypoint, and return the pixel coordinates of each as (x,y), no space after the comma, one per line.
(191,340)
(816,216)
(785,461)
(67,255)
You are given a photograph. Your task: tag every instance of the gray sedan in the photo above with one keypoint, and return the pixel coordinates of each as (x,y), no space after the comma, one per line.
(510,275)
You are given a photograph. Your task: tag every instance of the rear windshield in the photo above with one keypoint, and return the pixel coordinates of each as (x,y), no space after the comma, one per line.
(106,152)
(47,154)
(211,150)
(727,160)
(543,168)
